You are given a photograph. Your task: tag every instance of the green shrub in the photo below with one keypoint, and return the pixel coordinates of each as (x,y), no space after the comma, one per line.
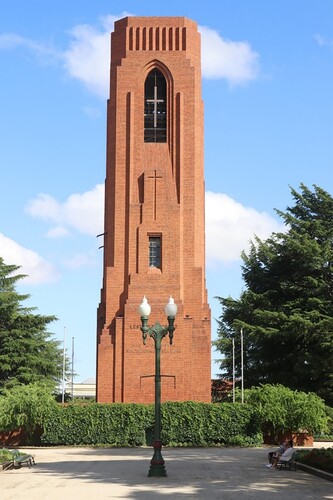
(25,407)
(323,437)
(329,413)
(318,458)
(282,410)
(326,436)
(5,456)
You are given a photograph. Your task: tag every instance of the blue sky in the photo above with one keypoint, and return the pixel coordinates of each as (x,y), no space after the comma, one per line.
(267,69)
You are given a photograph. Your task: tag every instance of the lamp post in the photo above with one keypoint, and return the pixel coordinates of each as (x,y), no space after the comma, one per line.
(157,332)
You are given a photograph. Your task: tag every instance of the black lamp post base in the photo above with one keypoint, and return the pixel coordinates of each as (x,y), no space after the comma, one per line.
(157,471)
(157,467)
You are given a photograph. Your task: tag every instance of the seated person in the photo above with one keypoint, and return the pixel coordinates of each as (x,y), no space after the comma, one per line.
(286,455)
(273,454)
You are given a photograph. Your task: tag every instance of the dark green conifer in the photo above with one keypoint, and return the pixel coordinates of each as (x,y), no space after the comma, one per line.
(28,353)
(286,308)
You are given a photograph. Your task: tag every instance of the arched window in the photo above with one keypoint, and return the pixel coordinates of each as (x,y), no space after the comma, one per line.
(155,107)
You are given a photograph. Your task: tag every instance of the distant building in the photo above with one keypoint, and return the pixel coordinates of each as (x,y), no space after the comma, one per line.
(221,390)
(154,234)
(85,389)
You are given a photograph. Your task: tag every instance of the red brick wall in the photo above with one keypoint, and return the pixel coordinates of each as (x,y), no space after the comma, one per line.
(132,213)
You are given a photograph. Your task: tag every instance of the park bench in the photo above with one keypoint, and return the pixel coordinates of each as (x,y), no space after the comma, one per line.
(24,459)
(9,464)
(18,460)
(290,464)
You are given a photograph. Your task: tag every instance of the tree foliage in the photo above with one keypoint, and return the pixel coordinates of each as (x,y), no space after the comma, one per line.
(28,353)
(25,407)
(282,410)
(286,308)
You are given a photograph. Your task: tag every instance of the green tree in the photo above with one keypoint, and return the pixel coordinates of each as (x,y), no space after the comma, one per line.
(281,410)
(28,353)
(286,308)
(26,407)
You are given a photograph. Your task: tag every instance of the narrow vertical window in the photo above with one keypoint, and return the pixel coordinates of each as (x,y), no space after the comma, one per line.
(155,107)
(155,251)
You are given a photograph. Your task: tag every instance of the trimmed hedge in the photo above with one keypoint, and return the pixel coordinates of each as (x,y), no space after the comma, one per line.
(117,424)
(122,424)
(204,424)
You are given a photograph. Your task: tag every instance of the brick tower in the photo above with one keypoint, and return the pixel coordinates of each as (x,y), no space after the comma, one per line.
(154,240)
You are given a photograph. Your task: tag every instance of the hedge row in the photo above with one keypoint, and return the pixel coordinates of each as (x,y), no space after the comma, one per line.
(182,424)
(117,424)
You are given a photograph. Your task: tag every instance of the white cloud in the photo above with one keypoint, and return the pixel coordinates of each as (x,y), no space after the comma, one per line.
(82,212)
(86,59)
(57,232)
(88,56)
(92,111)
(323,42)
(85,211)
(11,41)
(44,207)
(230,226)
(44,52)
(80,260)
(37,269)
(234,61)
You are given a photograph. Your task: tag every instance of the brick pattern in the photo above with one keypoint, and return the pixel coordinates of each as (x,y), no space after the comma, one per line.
(137,206)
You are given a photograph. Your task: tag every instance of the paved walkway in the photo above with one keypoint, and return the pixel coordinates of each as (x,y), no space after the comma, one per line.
(193,473)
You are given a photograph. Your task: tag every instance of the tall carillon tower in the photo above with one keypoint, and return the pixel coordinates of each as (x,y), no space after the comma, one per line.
(154,236)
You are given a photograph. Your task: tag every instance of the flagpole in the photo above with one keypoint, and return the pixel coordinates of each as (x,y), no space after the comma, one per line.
(63,368)
(242,364)
(72,368)
(233,370)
